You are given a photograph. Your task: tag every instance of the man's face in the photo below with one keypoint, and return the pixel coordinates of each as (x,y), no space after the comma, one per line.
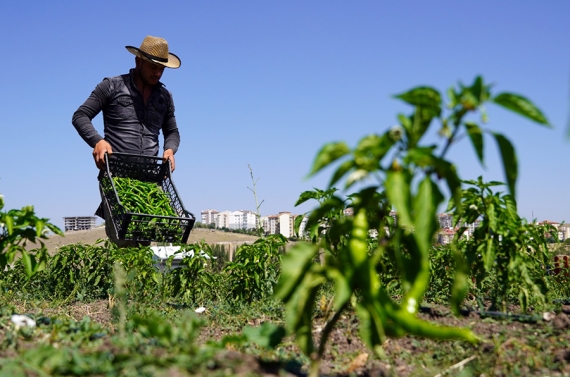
(150,72)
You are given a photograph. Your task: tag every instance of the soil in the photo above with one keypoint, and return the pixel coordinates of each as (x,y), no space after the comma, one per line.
(507,348)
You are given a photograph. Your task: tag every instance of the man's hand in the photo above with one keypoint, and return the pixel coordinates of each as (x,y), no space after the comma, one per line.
(169,155)
(99,153)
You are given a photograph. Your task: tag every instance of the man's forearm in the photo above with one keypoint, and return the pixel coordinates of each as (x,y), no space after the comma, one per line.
(84,127)
(85,113)
(171,135)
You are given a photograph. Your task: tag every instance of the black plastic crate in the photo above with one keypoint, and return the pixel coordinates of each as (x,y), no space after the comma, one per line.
(141,226)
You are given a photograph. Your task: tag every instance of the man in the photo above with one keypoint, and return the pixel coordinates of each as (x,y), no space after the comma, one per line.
(136,107)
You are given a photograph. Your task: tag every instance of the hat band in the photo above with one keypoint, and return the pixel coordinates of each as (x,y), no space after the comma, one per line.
(149,56)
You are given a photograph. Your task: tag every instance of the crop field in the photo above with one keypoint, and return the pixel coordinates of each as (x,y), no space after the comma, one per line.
(367,289)
(99,310)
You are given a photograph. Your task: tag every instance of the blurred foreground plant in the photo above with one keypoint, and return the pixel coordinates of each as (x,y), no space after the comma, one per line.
(408,175)
(17,227)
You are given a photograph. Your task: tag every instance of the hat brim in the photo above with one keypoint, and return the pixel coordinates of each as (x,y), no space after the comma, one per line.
(173,60)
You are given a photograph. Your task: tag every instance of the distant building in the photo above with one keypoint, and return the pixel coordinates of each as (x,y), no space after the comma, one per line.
(232,219)
(471,226)
(564,232)
(445,236)
(271,224)
(222,219)
(561,232)
(79,223)
(242,220)
(445,220)
(286,224)
(209,216)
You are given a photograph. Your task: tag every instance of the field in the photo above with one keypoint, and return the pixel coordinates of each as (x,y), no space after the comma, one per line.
(532,344)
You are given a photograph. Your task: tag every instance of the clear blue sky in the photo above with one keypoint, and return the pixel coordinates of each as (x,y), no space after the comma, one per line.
(267,83)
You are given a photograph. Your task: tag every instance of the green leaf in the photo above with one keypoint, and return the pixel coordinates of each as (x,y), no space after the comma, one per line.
(342,286)
(299,309)
(9,223)
(521,106)
(371,150)
(452,97)
(510,163)
(294,265)
(29,263)
(306,195)
(460,286)
(398,192)
(426,203)
(422,96)
(344,168)
(489,255)
(328,154)
(476,136)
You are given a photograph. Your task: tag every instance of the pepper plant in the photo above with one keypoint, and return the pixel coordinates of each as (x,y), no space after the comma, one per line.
(504,247)
(406,171)
(253,273)
(17,227)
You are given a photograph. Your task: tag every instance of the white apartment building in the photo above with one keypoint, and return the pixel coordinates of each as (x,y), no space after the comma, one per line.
(79,223)
(222,219)
(472,226)
(271,224)
(242,220)
(563,232)
(286,224)
(446,222)
(209,216)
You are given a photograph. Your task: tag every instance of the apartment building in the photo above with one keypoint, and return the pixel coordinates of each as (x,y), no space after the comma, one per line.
(209,216)
(445,236)
(222,219)
(562,229)
(564,232)
(446,222)
(79,223)
(286,224)
(271,224)
(242,220)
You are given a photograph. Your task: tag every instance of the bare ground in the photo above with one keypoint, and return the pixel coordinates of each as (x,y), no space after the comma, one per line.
(89,237)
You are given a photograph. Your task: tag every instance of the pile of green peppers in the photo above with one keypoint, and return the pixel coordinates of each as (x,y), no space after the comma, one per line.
(143,197)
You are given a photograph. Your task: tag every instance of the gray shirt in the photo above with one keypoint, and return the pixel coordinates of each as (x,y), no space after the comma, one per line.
(129,125)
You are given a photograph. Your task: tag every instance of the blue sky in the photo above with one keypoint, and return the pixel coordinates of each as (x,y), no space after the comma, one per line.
(267,83)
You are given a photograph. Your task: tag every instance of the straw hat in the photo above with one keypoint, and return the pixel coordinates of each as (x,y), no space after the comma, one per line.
(155,49)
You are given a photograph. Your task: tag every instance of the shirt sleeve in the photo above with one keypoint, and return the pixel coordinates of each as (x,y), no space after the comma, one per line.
(91,107)
(170,128)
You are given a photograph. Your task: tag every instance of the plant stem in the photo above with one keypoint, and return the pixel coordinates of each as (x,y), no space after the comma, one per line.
(257,205)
